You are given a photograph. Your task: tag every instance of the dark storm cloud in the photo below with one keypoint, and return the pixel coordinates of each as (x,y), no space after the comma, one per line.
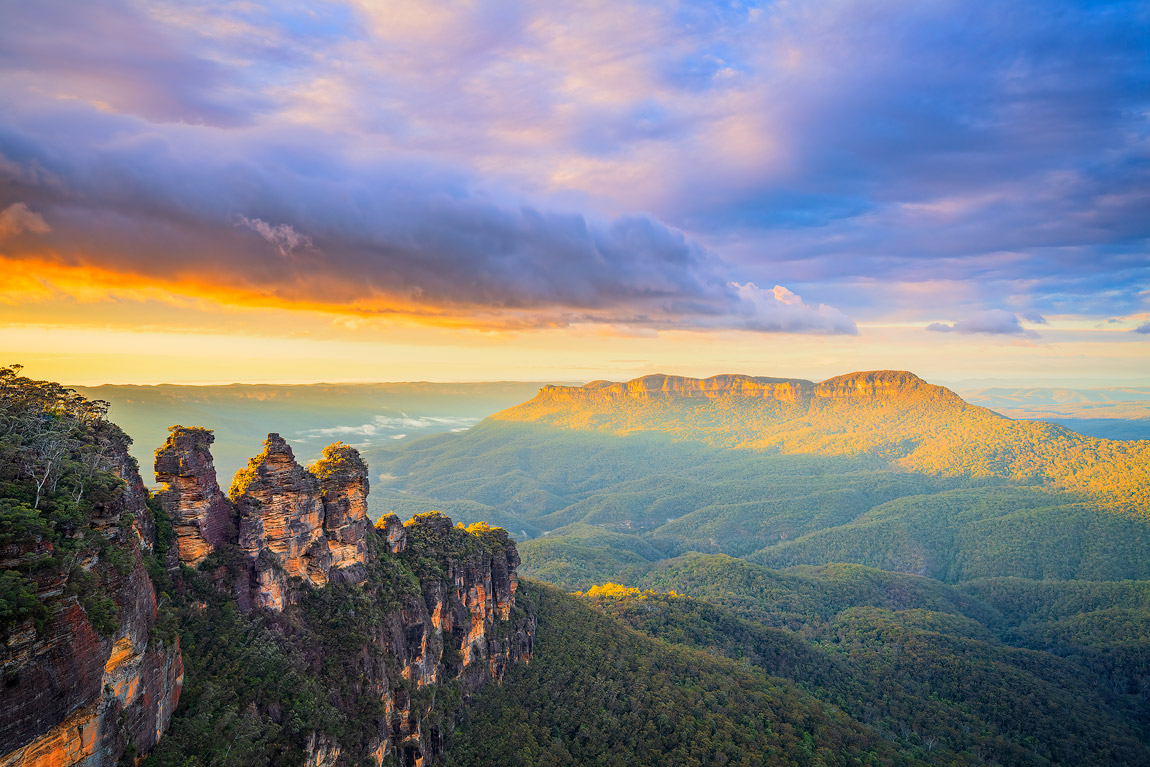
(382,235)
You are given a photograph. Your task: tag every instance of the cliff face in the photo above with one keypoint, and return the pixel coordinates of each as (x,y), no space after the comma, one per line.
(344,486)
(782,389)
(190,494)
(872,386)
(440,603)
(78,690)
(458,628)
(372,640)
(281,515)
(882,386)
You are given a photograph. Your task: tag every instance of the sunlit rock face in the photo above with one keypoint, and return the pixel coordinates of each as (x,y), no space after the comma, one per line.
(281,514)
(70,695)
(73,696)
(879,385)
(344,487)
(394,532)
(190,494)
(716,387)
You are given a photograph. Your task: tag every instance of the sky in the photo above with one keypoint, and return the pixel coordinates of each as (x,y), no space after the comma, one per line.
(493,190)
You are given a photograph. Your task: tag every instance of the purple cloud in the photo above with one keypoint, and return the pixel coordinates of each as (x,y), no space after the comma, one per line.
(991,322)
(524,156)
(17,218)
(1144,328)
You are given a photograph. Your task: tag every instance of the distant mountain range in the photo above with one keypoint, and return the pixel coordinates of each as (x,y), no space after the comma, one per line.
(309,415)
(1114,413)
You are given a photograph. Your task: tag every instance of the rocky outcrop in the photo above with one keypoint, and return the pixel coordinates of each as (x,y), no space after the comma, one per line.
(461,627)
(344,486)
(281,513)
(94,677)
(878,386)
(76,691)
(393,532)
(871,386)
(190,494)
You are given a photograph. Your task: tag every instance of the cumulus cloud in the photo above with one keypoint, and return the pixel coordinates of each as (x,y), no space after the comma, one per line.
(780,310)
(1144,328)
(17,218)
(991,322)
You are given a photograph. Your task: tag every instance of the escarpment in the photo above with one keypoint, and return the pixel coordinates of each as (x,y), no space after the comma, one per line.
(789,390)
(357,643)
(396,624)
(877,385)
(89,675)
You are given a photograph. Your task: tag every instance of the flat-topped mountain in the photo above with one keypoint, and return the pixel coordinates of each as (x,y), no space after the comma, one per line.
(872,385)
(886,414)
(780,395)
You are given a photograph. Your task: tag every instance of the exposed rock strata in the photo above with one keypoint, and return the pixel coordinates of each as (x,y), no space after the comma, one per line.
(190,494)
(87,699)
(877,385)
(462,626)
(281,514)
(394,532)
(71,696)
(728,385)
(344,485)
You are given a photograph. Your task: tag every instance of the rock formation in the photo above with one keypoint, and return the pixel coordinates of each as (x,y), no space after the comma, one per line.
(394,532)
(190,494)
(727,385)
(74,696)
(343,483)
(460,627)
(69,694)
(281,514)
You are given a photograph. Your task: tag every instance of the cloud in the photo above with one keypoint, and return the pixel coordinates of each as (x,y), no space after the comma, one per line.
(780,310)
(991,322)
(379,236)
(1034,318)
(382,426)
(282,236)
(1144,328)
(17,218)
(497,159)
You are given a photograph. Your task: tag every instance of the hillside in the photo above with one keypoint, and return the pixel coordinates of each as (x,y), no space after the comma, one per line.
(892,414)
(882,469)
(276,625)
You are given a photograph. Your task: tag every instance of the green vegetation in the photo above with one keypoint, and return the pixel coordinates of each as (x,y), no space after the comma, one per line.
(914,481)
(258,684)
(58,457)
(932,682)
(338,457)
(599,693)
